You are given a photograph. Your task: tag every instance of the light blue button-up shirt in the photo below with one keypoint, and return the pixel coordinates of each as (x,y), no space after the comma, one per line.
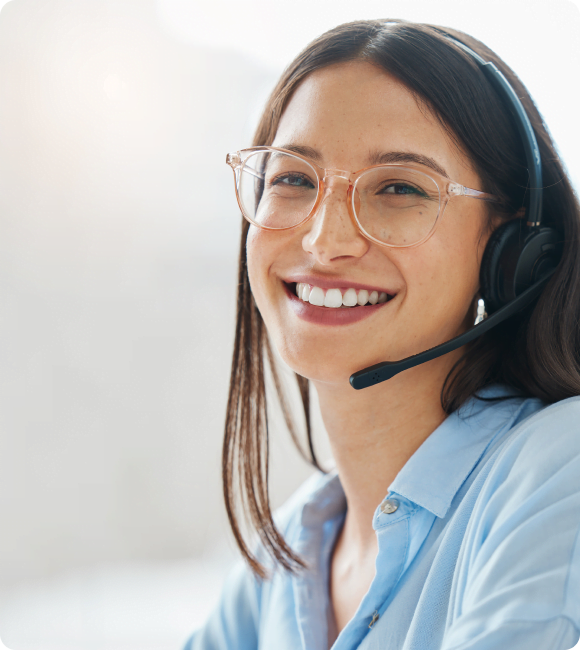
(482,552)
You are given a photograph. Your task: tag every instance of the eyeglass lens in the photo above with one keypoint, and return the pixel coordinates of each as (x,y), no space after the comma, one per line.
(395,205)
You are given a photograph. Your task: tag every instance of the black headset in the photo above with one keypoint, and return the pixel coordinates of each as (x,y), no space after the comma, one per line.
(520,256)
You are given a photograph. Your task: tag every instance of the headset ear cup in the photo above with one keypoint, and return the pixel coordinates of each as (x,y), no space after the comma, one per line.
(502,243)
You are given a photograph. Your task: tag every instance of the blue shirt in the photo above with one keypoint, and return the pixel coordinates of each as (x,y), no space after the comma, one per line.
(482,552)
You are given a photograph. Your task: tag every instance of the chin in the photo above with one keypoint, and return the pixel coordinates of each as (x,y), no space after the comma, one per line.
(325,365)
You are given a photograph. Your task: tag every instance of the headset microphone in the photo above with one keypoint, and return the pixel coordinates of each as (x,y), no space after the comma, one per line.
(387,369)
(519,259)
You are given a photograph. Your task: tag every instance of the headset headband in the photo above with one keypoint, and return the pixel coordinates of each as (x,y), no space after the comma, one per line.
(532,151)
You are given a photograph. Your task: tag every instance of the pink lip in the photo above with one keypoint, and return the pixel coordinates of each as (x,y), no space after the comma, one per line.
(336,283)
(326,315)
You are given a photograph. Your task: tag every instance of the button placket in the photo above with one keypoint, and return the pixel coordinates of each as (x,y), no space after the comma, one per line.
(391,523)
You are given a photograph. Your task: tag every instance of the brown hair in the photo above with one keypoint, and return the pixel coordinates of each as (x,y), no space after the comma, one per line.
(537,352)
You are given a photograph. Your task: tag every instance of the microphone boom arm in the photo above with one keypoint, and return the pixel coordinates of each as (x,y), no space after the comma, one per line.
(387,369)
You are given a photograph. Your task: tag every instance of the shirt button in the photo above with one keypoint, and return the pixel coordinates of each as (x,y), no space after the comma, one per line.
(388,506)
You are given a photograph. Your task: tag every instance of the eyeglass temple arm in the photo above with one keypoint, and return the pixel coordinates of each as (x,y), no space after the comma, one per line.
(254,172)
(455,189)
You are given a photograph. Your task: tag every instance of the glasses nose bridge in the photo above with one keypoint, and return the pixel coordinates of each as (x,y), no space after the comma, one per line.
(333,179)
(335,189)
(337,173)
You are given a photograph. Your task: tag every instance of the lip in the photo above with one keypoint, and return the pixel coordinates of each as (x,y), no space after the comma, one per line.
(336,283)
(327,315)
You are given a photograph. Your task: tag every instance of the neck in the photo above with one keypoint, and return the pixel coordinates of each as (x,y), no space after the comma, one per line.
(374,432)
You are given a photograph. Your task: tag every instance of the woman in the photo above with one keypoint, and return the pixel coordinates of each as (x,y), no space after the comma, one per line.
(452,518)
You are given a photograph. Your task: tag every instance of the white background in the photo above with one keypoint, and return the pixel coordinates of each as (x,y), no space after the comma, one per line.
(118,246)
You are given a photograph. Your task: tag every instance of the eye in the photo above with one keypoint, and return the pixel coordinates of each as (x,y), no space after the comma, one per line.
(293,179)
(402,189)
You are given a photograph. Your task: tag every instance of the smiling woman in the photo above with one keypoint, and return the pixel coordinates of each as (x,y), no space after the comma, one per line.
(388,182)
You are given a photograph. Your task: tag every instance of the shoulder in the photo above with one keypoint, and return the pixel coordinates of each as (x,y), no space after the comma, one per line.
(539,456)
(564,414)
(547,438)
(235,623)
(533,484)
(522,539)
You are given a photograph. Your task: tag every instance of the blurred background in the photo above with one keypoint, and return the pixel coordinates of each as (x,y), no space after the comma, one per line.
(118,248)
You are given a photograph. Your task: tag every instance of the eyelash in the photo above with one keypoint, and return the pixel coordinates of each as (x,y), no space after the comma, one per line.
(283,177)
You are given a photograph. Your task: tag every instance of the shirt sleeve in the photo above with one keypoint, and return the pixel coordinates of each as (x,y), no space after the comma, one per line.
(522,578)
(233,625)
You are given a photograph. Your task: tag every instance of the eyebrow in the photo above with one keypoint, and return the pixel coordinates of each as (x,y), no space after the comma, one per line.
(303,150)
(375,157)
(386,157)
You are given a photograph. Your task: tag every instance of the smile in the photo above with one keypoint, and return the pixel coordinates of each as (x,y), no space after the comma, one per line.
(336,298)
(334,305)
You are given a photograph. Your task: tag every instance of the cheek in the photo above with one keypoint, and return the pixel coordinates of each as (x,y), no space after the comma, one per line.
(252,253)
(257,265)
(263,251)
(444,273)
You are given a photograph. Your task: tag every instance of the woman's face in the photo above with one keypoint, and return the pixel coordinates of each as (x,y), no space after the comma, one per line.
(349,114)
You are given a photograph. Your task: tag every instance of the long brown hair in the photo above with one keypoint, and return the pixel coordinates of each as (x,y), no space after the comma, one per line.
(537,353)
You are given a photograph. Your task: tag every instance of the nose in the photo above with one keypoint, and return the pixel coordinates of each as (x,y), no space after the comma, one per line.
(332,233)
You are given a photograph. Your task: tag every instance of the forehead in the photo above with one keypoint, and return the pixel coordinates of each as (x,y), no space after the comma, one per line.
(349,111)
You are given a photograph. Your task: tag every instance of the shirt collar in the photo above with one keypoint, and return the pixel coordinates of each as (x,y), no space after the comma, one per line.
(326,500)
(433,475)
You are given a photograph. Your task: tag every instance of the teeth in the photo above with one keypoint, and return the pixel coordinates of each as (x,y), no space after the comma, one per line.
(316,297)
(363,297)
(350,298)
(334,298)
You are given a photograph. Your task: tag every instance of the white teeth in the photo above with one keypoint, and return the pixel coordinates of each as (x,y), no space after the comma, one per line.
(363,297)
(350,298)
(316,297)
(333,298)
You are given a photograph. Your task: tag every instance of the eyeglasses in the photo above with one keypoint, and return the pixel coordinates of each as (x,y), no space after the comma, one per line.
(393,205)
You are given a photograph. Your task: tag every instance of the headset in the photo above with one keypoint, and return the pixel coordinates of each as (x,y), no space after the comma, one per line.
(520,256)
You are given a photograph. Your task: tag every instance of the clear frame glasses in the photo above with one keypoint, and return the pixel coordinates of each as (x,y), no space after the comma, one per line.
(395,205)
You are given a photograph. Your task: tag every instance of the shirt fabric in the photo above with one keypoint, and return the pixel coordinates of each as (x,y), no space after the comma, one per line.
(482,553)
